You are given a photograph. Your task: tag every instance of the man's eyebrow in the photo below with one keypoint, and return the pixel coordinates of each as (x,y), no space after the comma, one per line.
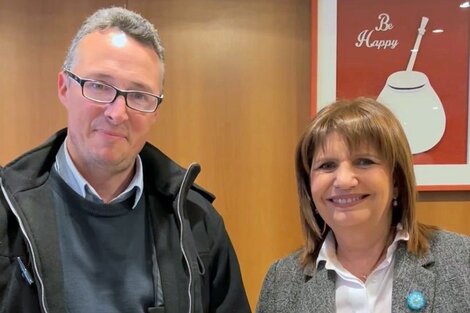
(109,79)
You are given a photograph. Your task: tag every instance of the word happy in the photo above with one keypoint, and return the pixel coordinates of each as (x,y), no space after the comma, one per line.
(366,39)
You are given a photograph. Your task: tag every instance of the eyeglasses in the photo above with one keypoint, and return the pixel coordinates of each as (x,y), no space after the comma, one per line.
(104,93)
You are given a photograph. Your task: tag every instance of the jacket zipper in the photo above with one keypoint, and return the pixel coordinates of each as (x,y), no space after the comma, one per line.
(188,180)
(30,246)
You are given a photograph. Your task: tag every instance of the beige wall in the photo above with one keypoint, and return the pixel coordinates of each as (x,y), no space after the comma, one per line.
(237,96)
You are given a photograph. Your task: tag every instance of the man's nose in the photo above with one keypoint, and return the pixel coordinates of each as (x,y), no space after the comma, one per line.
(116,111)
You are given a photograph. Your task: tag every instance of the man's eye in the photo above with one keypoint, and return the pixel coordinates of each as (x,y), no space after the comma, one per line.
(98,86)
(137,96)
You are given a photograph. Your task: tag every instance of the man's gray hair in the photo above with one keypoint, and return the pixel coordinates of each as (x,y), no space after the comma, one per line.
(131,23)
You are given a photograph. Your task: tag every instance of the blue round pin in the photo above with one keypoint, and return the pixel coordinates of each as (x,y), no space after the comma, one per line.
(415,301)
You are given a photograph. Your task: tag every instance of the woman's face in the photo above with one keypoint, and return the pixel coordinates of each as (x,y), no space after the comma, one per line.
(351,189)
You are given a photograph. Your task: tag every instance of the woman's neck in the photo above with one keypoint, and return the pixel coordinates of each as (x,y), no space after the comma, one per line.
(360,253)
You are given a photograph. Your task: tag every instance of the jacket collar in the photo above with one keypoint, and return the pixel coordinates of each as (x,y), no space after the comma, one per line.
(411,273)
(319,292)
(33,168)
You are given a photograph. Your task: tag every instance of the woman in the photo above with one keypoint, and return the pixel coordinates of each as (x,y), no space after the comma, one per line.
(364,250)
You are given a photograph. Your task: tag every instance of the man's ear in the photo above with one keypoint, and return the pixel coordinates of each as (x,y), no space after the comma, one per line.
(62,87)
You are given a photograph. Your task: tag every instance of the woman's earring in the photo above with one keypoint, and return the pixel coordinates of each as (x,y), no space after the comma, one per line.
(395,202)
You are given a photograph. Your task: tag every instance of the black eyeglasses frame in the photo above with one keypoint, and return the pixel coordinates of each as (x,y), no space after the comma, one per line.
(119,92)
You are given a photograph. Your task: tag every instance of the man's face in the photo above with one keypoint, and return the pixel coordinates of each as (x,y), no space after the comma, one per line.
(109,136)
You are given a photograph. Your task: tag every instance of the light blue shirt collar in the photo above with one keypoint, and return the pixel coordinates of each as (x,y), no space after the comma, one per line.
(70,174)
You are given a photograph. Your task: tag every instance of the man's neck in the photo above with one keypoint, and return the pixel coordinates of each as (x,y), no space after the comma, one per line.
(109,185)
(106,181)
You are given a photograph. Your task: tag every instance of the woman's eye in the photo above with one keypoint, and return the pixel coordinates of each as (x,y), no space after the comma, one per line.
(327,166)
(365,162)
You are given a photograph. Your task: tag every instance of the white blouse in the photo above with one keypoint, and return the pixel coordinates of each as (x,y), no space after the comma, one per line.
(354,295)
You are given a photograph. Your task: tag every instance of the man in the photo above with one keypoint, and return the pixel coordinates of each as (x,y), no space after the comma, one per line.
(97,219)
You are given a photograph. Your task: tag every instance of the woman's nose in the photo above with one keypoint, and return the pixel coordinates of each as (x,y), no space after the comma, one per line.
(346,176)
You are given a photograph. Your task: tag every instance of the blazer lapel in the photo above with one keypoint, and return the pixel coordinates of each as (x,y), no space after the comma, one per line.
(411,275)
(318,295)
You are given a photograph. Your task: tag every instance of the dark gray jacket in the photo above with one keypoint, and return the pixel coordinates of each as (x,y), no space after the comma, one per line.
(442,276)
(28,231)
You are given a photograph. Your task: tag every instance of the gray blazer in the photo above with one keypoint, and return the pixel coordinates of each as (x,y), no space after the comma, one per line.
(442,276)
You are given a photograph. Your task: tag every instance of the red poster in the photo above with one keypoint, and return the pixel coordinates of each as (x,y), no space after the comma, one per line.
(413,56)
